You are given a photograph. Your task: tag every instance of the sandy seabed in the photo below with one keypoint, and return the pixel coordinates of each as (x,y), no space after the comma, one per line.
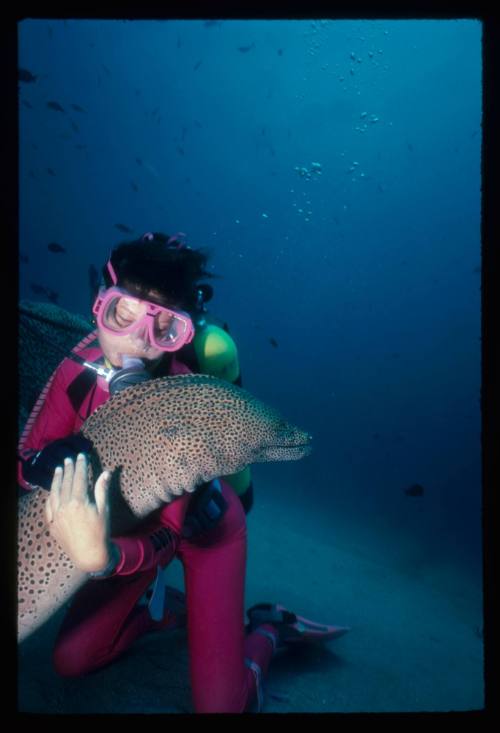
(415,642)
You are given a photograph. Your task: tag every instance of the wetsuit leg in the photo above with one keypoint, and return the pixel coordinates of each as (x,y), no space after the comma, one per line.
(214,568)
(104,620)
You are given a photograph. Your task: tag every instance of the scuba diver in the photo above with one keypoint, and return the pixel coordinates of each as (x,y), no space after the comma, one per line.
(152,321)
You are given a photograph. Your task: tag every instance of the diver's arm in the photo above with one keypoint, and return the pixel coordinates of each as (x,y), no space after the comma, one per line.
(55,419)
(155,546)
(79,522)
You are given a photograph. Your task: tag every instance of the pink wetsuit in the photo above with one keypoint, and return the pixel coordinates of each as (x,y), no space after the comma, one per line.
(104,618)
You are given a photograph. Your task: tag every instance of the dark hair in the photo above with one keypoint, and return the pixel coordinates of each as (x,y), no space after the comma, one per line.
(159,262)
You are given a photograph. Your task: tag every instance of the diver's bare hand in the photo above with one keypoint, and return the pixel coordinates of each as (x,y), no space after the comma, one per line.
(76,522)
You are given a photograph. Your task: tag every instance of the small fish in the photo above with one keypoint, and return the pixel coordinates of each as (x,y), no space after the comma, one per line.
(197,65)
(138,161)
(414,490)
(75,126)
(198,124)
(51,172)
(155,111)
(23,258)
(273,342)
(54,247)
(280,52)
(124,228)
(38,289)
(26,76)
(477,269)
(80,147)
(245,49)
(180,150)
(410,147)
(211,23)
(32,174)
(77,108)
(108,72)
(52,296)
(134,185)
(55,106)
(27,104)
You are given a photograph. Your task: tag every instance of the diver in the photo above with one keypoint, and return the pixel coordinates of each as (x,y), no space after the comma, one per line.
(151,320)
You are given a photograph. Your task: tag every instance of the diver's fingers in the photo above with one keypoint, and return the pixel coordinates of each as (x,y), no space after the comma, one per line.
(81,480)
(67,481)
(52,503)
(101,493)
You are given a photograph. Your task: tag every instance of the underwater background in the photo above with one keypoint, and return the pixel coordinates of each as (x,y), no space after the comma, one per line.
(332,167)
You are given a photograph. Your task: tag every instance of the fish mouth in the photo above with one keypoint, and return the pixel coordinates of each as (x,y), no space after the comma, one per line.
(287,450)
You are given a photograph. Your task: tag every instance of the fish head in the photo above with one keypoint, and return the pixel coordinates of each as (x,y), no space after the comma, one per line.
(273,438)
(233,429)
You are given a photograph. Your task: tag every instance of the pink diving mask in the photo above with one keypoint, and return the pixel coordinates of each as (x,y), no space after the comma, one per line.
(120,313)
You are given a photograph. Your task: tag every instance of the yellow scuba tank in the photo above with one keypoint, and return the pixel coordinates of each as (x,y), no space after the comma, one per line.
(216,352)
(217,355)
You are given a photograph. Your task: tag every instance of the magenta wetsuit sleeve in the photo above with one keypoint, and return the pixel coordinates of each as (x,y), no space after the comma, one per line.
(55,419)
(139,554)
(156,544)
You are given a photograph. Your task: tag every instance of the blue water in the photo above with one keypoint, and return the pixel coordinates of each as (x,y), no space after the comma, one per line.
(366,274)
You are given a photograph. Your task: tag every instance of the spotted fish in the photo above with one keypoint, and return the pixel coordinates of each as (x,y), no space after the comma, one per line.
(160,439)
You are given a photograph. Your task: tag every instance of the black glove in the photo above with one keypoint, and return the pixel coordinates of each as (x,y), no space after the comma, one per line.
(39,470)
(206,509)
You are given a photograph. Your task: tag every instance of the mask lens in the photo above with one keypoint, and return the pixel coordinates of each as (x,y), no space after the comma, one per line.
(124,314)
(168,329)
(120,313)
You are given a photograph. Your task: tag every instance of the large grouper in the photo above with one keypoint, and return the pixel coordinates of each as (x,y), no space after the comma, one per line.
(159,439)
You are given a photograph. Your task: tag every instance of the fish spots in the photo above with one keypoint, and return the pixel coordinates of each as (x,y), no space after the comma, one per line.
(160,439)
